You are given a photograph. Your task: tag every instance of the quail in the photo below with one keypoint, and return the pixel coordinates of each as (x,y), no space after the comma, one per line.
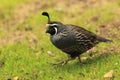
(71,39)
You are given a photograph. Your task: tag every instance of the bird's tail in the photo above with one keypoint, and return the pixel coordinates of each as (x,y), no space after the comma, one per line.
(101,39)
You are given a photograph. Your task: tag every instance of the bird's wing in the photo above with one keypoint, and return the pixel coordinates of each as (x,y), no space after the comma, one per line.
(84,38)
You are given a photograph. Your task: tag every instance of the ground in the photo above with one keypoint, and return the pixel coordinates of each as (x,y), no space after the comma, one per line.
(26,51)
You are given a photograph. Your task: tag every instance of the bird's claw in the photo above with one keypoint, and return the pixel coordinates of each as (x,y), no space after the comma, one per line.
(60,63)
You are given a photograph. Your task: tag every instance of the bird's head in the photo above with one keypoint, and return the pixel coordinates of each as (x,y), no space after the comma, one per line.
(53,27)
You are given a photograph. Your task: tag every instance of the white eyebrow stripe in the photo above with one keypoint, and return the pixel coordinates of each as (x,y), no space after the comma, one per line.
(54,24)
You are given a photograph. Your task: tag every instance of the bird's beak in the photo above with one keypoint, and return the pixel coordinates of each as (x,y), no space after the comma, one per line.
(47,28)
(47,25)
(47,31)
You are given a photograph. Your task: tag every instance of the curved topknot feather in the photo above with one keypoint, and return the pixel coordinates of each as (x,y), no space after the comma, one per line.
(46,14)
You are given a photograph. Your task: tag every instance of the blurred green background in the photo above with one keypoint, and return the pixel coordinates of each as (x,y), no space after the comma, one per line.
(26,51)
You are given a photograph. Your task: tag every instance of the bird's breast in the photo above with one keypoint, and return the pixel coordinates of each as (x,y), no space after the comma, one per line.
(62,41)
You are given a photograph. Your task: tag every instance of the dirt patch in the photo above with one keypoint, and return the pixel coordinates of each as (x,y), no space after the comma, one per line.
(19,36)
(80,5)
(20,13)
(74,8)
(23,11)
(27,10)
(110,29)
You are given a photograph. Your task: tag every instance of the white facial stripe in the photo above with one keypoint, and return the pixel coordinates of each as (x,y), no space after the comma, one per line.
(47,25)
(55,30)
(54,24)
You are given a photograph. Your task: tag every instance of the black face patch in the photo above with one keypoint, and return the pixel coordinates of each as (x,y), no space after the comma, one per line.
(53,27)
(52,30)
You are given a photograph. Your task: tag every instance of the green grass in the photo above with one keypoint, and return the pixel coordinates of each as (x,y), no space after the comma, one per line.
(21,61)
(28,59)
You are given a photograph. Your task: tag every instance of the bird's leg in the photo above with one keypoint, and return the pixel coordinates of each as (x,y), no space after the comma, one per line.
(79,59)
(64,62)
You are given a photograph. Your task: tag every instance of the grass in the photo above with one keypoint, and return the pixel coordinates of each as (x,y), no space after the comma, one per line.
(24,45)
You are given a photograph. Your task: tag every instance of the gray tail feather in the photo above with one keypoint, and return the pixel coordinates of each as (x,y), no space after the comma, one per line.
(101,39)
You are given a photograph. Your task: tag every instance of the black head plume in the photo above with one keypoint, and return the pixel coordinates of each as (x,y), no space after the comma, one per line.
(46,14)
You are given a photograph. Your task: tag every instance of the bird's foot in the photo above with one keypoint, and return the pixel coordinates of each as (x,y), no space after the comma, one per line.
(61,63)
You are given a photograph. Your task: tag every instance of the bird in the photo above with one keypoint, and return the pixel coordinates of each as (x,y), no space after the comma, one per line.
(71,39)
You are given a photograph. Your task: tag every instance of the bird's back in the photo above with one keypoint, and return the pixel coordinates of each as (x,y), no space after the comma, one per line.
(83,40)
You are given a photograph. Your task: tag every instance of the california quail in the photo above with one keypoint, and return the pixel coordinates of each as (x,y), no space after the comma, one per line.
(71,39)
